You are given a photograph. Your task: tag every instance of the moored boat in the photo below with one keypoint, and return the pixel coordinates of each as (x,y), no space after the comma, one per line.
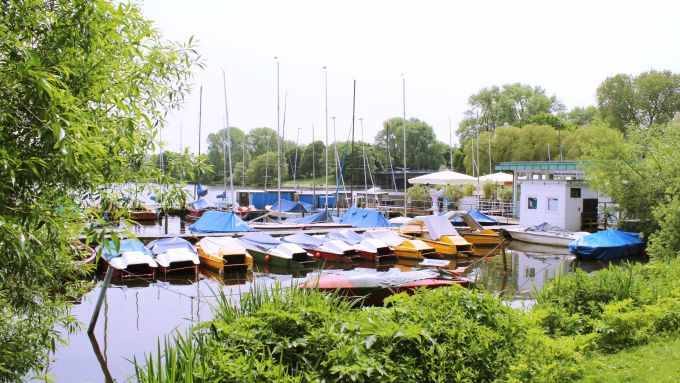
(142,213)
(370,249)
(174,254)
(131,259)
(373,288)
(330,250)
(546,234)
(195,209)
(223,253)
(476,234)
(438,232)
(266,249)
(289,209)
(404,248)
(607,244)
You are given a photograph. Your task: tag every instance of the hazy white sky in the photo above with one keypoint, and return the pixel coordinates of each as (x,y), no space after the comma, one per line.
(446,50)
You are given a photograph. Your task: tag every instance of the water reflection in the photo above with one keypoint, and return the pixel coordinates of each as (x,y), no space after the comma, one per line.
(523,269)
(139,312)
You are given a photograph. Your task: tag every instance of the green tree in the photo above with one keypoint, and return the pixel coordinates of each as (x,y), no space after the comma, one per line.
(421,143)
(581,116)
(305,164)
(260,141)
(585,136)
(640,173)
(263,170)
(84,87)
(218,155)
(650,98)
(535,142)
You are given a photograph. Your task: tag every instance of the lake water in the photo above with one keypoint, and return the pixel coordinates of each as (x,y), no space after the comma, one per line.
(136,314)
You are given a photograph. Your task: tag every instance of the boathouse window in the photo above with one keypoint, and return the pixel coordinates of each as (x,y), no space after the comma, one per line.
(532,203)
(552,203)
(575,192)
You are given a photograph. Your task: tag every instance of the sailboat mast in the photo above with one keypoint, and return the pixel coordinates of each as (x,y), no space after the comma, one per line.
(297,145)
(365,160)
(325,72)
(450,144)
(403,92)
(351,161)
(200,115)
(228,144)
(313,166)
(278,137)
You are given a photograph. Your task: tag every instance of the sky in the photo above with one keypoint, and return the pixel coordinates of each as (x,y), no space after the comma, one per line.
(443,51)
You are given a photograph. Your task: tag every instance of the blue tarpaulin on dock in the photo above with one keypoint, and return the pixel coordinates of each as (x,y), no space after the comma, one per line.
(320,216)
(219,222)
(607,244)
(359,217)
(293,207)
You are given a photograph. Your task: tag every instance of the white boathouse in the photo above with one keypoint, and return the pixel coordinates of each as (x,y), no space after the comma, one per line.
(553,192)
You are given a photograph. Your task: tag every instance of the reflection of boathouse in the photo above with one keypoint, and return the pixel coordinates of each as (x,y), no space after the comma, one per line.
(553,192)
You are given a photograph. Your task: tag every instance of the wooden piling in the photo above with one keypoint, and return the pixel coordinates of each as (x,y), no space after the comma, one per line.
(98,305)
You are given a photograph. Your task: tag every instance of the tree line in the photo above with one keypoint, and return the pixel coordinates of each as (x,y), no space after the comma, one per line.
(513,122)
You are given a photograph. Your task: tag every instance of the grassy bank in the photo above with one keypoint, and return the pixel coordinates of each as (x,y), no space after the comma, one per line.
(447,334)
(656,362)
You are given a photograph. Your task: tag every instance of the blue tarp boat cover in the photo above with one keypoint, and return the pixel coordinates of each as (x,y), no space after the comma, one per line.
(213,221)
(200,204)
(359,217)
(476,215)
(110,252)
(607,244)
(293,207)
(260,239)
(162,245)
(320,216)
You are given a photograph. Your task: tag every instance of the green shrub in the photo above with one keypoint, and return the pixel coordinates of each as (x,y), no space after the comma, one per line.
(505,194)
(446,334)
(469,190)
(453,193)
(418,193)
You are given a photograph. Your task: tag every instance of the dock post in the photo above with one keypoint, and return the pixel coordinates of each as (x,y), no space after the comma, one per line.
(505,263)
(166,224)
(98,305)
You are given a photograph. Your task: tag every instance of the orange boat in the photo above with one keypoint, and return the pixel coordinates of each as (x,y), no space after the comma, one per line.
(223,253)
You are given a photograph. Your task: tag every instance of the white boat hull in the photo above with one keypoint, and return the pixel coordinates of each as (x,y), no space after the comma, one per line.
(561,239)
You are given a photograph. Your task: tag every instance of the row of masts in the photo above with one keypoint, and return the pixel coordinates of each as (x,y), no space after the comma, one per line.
(338,174)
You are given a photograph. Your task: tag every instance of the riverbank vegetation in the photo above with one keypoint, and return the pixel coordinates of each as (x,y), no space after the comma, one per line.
(447,334)
(84,88)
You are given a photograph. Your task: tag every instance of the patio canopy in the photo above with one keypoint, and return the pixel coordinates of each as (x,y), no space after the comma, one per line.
(500,177)
(445,177)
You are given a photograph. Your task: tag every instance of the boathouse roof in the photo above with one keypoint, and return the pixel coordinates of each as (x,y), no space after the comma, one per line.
(537,165)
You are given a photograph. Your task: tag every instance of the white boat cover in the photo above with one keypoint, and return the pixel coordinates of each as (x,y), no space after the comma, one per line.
(129,258)
(177,255)
(437,226)
(217,246)
(386,235)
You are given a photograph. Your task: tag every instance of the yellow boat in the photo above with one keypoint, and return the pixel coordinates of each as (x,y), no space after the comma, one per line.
(218,253)
(413,249)
(438,232)
(478,235)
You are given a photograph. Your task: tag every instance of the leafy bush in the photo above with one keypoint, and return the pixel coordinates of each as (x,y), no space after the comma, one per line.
(469,190)
(618,306)
(453,193)
(418,193)
(505,194)
(447,334)
(490,190)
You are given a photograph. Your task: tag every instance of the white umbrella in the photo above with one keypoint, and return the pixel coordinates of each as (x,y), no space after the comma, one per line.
(445,177)
(499,177)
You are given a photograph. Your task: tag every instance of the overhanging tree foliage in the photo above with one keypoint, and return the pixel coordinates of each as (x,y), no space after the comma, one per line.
(84,87)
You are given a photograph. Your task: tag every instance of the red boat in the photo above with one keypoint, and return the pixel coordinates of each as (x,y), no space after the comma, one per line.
(332,250)
(373,287)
